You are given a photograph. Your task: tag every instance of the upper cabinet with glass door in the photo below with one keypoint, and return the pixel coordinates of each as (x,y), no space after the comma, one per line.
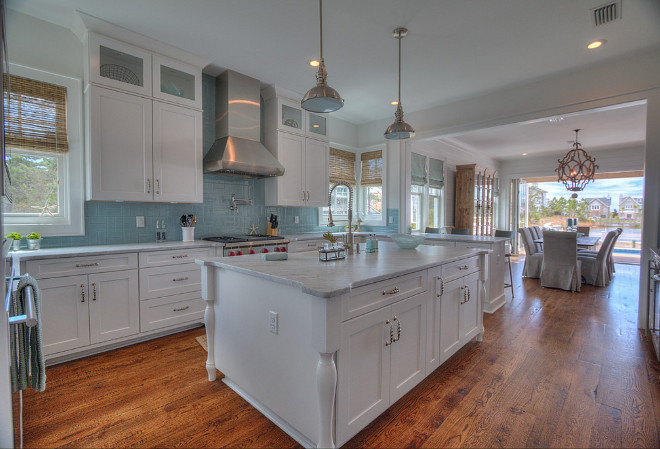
(291,116)
(119,65)
(316,126)
(177,82)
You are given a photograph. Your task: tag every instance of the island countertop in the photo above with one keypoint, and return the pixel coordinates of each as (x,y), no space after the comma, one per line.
(334,278)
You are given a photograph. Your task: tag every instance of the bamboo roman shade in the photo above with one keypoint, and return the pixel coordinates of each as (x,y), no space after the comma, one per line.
(372,168)
(35,115)
(342,166)
(436,173)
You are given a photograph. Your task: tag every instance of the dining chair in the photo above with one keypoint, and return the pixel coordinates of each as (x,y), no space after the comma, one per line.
(430,230)
(584,230)
(608,246)
(595,267)
(537,233)
(460,231)
(533,257)
(507,255)
(561,267)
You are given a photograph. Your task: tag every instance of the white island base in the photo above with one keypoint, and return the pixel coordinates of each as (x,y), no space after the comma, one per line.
(351,337)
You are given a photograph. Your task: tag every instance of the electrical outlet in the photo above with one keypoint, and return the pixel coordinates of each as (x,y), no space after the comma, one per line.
(391,220)
(273,322)
(296,219)
(139,221)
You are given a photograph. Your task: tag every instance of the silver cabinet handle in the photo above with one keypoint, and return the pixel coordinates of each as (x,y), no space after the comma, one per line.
(148,185)
(464,267)
(302,195)
(308,195)
(94,290)
(398,328)
(387,343)
(394,291)
(442,287)
(83,265)
(180,309)
(185,278)
(180,256)
(82,292)
(468,290)
(157,186)
(464,300)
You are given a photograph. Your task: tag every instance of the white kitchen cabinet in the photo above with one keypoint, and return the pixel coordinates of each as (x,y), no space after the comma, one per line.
(305,179)
(300,246)
(177,82)
(142,150)
(86,309)
(381,357)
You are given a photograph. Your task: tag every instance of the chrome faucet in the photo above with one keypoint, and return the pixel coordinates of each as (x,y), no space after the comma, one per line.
(349,240)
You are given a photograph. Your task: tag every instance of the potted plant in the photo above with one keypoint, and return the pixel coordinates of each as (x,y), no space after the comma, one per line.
(33,240)
(16,244)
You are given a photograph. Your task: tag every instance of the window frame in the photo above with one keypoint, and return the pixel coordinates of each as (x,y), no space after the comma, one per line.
(70,174)
(406,223)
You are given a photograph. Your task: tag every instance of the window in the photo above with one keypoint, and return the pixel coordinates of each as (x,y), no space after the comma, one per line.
(629,206)
(342,169)
(43,152)
(595,206)
(426,192)
(371,188)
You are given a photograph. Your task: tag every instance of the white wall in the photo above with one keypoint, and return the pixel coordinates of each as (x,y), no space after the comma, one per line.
(342,133)
(35,43)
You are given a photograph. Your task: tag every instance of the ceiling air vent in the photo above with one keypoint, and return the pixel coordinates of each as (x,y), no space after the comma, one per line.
(606,13)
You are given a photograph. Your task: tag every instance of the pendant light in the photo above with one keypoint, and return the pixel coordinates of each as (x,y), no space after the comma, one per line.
(577,168)
(399,129)
(321,98)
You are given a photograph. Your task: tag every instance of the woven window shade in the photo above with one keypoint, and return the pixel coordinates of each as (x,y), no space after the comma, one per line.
(342,166)
(436,173)
(372,169)
(35,118)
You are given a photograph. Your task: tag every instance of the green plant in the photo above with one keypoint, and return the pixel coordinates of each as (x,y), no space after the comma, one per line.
(14,235)
(329,237)
(33,236)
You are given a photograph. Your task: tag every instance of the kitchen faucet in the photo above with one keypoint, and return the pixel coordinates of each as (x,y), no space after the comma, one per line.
(349,240)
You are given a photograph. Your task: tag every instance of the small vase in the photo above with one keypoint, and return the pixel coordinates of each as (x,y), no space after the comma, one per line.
(34,243)
(16,245)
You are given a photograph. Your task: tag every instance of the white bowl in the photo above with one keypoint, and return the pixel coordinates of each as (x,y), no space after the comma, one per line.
(407,241)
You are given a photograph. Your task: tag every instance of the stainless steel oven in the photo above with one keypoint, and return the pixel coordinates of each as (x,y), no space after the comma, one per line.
(252,244)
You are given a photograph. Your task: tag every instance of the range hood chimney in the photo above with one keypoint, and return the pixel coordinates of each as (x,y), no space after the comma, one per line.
(238,150)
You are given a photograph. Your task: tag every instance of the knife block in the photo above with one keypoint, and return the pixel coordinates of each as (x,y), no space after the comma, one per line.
(271,231)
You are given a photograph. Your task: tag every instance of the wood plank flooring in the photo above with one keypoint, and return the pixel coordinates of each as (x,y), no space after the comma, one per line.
(555,369)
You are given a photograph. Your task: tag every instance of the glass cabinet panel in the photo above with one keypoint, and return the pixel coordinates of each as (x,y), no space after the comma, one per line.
(176,82)
(292,117)
(119,66)
(316,124)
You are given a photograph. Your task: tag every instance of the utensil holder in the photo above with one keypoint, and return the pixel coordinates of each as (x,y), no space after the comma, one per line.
(188,233)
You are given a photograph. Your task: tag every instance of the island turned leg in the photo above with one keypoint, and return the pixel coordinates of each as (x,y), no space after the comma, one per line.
(209,323)
(326,387)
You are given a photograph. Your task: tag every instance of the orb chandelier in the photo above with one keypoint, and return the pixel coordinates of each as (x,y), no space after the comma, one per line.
(399,130)
(577,168)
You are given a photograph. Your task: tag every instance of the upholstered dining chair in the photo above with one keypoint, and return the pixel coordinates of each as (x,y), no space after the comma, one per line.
(584,230)
(561,267)
(537,233)
(507,256)
(596,267)
(533,257)
(460,231)
(610,259)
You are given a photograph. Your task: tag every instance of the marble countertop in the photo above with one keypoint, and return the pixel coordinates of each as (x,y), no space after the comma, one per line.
(330,279)
(72,251)
(445,237)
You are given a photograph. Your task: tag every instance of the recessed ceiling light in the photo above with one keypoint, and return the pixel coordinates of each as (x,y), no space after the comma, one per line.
(394,102)
(314,63)
(524,154)
(596,44)
(315,126)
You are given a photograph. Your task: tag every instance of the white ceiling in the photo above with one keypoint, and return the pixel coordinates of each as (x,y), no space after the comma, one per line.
(454,49)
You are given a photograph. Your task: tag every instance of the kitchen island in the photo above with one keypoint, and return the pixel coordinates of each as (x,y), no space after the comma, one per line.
(323,348)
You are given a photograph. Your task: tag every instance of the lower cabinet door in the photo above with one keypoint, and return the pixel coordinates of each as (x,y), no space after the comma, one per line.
(407,359)
(470,309)
(363,363)
(450,308)
(64,313)
(114,305)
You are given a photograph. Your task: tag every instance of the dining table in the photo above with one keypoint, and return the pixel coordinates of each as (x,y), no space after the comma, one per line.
(582,242)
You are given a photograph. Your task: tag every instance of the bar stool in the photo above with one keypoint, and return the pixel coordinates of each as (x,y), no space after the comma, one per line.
(507,257)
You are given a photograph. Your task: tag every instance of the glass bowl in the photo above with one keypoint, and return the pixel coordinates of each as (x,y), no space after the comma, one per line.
(407,241)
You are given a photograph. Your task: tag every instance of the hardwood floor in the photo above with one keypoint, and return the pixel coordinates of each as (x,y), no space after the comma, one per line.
(555,369)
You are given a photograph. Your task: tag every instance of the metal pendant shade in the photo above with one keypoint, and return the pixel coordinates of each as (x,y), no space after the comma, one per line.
(321,98)
(577,168)
(399,129)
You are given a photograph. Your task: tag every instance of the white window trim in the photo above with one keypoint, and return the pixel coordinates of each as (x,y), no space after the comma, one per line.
(72,174)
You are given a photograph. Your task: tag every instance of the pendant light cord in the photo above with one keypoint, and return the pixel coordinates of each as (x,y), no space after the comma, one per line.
(399,67)
(321,26)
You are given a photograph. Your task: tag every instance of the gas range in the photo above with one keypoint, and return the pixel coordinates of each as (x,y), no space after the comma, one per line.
(250,244)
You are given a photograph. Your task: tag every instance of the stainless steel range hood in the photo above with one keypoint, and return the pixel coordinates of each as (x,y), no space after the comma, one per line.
(238,150)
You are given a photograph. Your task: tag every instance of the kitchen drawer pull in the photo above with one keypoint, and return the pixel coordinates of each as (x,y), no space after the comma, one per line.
(94,289)
(185,278)
(387,343)
(180,256)
(82,292)
(180,309)
(463,267)
(83,265)
(442,287)
(394,291)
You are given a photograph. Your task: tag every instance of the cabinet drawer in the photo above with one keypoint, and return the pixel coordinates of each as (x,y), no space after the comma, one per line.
(171,310)
(172,257)
(170,280)
(370,297)
(460,268)
(66,266)
(305,245)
